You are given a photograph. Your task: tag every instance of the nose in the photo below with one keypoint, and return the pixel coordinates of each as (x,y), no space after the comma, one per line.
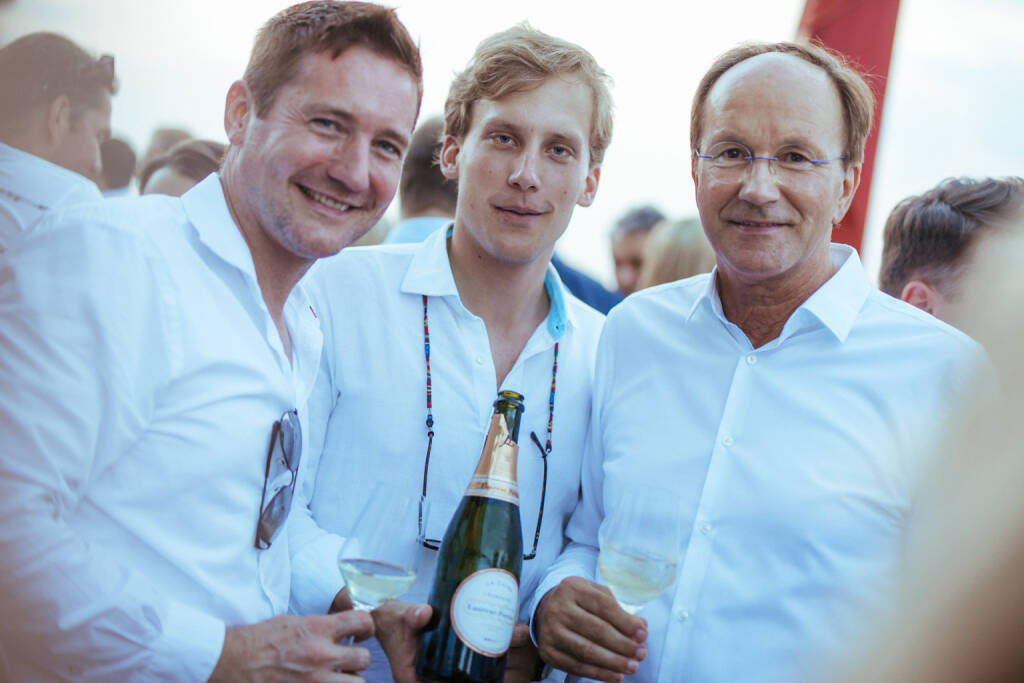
(524,174)
(759,183)
(350,165)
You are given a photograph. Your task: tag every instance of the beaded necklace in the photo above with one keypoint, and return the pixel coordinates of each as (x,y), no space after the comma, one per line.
(545,450)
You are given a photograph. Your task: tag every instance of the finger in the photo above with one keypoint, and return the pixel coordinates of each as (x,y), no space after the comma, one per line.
(583,656)
(568,618)
(600,602)
(417,616)
(348,658)
(354,623)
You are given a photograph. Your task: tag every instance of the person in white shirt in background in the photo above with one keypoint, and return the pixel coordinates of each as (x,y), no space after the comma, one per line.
(526,127)
(54,114)
(781,396)
(156,356)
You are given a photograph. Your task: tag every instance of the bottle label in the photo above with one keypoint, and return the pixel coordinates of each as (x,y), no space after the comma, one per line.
(484,610)
(494,487)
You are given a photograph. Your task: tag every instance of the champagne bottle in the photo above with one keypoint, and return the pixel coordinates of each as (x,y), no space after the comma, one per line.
(475,595)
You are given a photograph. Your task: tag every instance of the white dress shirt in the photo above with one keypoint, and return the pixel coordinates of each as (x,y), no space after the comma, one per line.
(795,464)
(370,398)
(29,186)
(141,375)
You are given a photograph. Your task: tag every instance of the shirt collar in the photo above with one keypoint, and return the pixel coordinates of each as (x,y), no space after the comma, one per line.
(430,273)
(835,304)
(37,181)
(207,208)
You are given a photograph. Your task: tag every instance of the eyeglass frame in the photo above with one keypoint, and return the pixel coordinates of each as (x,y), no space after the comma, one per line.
(267,528)
(435,544)
(103,66)
(749,158)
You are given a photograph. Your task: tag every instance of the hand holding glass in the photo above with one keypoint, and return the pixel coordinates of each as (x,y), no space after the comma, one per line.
(640,541)
(379,557)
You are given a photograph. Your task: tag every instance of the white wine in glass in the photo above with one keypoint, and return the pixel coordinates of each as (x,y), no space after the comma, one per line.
(379,557)
(640,542)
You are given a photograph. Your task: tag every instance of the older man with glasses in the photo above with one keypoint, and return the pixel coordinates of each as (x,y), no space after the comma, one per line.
(781,397)
(156,355)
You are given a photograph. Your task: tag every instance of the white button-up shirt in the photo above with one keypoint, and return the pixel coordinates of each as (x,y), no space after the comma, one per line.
(795,463)
(370,398)
(141,374)
(29,186)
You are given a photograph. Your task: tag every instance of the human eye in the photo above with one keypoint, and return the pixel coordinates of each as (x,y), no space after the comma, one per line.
(324,125)
(729,153)
(503,139)
(561,151)
(389,148)
(794,159)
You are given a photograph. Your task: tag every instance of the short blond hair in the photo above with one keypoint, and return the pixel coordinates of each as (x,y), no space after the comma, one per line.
(675,250)
(520,59)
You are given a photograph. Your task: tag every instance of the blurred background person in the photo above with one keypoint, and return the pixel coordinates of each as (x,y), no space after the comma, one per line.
(159,144)
(675,250)
(930,240)
(628,237)
(961,615)
(118,168)
(54,114)
(184,165)
(426,197)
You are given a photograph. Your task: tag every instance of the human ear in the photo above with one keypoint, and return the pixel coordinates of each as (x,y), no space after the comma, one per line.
(590,186)
(58,120)
(237,109)
(851,181)
(449,157)
(920,294)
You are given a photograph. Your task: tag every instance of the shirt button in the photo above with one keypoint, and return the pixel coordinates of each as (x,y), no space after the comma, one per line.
(705,529)
(751,359)
(682,615)
(727,441)
(479,360)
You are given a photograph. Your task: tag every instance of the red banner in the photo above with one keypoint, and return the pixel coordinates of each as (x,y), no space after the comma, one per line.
(863,31)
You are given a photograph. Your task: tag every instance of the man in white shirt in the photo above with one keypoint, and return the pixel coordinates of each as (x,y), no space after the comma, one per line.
(526,127)
(54,115)
(780,397)
(156,357)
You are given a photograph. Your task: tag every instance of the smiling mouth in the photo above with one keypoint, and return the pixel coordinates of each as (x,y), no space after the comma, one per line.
(758,224)
(519,211)
(324,199)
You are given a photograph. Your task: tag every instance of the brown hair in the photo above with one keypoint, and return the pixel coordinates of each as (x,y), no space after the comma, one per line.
(854,93)
(423,186)
(928,236)
(193,159)
(39,67)
(321,26)
(520,59)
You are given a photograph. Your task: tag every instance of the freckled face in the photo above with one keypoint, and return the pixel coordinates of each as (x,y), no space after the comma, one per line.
(522,168)
(322,164)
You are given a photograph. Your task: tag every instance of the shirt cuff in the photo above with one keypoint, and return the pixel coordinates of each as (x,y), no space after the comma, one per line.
(190,645)
(316,579)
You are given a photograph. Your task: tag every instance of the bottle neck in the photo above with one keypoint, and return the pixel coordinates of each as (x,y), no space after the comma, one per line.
(495,475)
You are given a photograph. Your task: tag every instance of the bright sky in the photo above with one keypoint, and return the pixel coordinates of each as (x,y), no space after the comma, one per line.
(955,102)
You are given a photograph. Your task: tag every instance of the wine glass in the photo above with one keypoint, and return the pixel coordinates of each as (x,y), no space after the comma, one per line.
(640,541)
(379,556)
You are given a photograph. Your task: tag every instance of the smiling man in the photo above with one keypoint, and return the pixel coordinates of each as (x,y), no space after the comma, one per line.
(445,324)
(780,396)
(156,357)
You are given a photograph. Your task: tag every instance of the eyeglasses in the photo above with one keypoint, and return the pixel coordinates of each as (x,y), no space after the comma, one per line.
(435,544)
(282,472)
(734,158)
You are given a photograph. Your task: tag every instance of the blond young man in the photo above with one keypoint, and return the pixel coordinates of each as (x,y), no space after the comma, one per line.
(156,356)
(526,127)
